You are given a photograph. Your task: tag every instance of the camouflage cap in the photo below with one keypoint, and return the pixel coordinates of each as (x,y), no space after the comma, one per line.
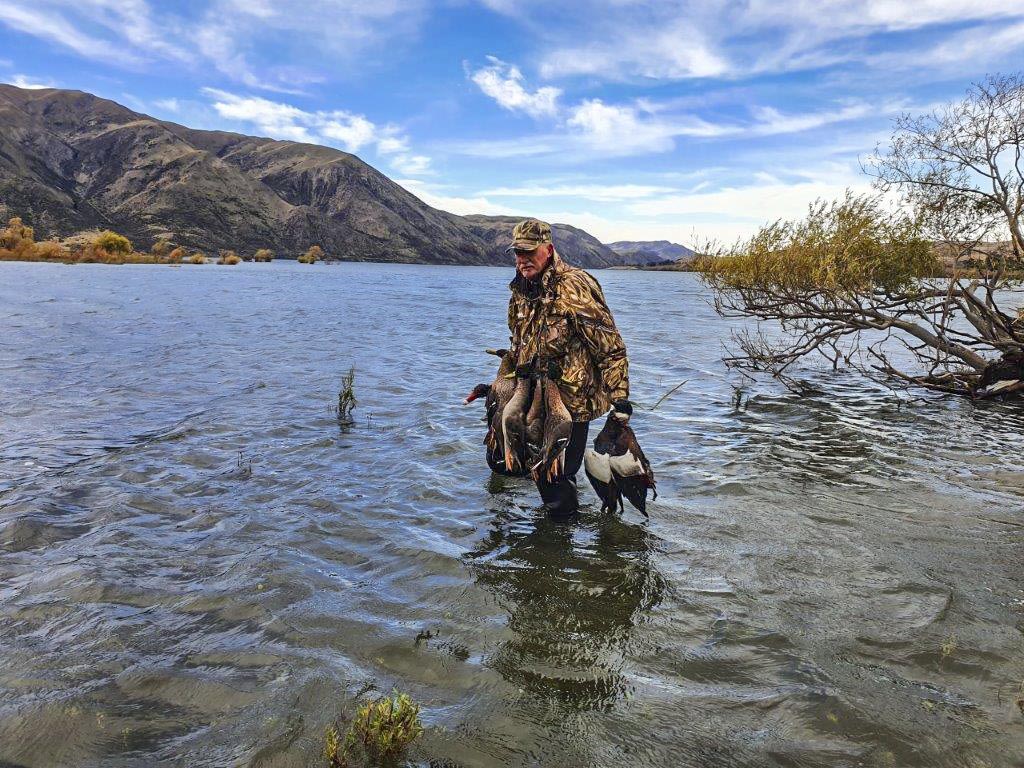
(530,233)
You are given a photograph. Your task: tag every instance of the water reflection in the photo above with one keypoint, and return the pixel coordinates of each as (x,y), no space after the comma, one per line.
(574,594)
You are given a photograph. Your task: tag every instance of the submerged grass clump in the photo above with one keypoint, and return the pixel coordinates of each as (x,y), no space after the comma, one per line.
(382,730)
(347,397)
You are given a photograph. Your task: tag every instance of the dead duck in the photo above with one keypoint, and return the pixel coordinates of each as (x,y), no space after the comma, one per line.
(557,429)
(535,418)
(616,466)
(513,423)
(496,395)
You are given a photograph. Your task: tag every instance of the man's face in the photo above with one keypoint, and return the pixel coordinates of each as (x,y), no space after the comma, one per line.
(530,264)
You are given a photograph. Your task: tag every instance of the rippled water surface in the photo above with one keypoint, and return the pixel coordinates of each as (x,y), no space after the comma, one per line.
(198,567)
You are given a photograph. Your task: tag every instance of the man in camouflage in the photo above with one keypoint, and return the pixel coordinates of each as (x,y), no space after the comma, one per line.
(560,323)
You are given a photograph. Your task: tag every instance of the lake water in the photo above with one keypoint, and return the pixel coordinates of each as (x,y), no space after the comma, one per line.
(199,567)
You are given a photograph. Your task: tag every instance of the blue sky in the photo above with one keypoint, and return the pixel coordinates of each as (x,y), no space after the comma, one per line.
(634,120)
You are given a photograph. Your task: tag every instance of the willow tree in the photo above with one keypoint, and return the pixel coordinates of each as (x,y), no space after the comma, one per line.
(917,294)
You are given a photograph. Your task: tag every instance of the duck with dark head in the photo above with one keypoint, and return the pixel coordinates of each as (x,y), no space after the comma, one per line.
(496,396)
(616,466)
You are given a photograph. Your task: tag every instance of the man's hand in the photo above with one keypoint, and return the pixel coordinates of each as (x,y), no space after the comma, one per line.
(622,409)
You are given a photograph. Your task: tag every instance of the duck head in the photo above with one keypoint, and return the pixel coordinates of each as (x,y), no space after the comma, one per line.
(480,390)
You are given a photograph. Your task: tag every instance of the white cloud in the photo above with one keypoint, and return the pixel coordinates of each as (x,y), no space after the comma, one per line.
(772,122)
(279,121)
(675,52)
(595,129)
(216,43)
(625,129)
(600,193)
(231,35)
(618,129)
(411,165)
(439,197)
(234,33)
(712,210)
(685,39)
(30,83)
(390,144)
(168,105)
(503,82)
(738,211)
(977,46)
(51,25)
(352,132)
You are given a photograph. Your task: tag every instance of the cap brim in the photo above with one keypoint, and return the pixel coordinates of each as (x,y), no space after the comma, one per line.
(526,245)
(522,245)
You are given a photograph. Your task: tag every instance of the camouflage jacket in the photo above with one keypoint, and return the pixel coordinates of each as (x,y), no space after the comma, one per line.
(564,319)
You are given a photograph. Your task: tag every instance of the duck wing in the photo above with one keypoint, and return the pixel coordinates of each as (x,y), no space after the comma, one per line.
(599,473)
(557,432)
(513,425)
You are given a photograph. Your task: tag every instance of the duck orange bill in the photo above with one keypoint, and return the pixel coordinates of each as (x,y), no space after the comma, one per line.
(480,390)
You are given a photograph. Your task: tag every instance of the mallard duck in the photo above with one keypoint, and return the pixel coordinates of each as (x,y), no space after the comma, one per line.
(513,422)
(496,395)
(616,466)
(535,417)
(556,432)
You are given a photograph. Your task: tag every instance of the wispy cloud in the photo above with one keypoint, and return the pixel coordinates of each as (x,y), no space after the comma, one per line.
(50,24)
(231,35)
(602,193)
(593,129)
(675,51)
(686,39)
(504,83)
(445,198)
(411,165)
(31,83)
(738,210)
(339,128)
(769,121)
(168,105)
(978,45)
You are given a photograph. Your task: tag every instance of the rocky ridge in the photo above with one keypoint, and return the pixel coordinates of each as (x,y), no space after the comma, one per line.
(71,161)
(646,252)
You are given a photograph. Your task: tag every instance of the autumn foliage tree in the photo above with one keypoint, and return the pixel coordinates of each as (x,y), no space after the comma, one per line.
(860,282)
(111,242)
(16,239)
(161,248)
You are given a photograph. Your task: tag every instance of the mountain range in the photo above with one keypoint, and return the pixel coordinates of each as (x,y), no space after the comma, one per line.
(643,252)
(71,161)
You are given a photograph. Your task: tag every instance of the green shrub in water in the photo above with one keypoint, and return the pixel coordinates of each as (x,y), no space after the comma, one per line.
(382,728)
(347,397)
